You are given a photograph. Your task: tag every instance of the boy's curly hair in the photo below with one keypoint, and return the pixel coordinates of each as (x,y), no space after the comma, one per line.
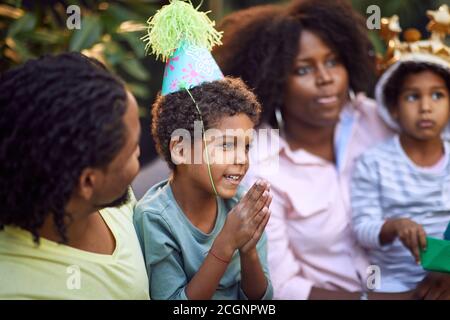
(260,44)
(394,85)
(217,99)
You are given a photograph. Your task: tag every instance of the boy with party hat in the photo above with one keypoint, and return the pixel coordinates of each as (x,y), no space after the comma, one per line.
(401,188)
(201,234)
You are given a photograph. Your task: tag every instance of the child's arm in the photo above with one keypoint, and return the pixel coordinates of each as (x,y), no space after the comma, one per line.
(254,282)
(242,223)
(371,229)
(411,234)
(367,213)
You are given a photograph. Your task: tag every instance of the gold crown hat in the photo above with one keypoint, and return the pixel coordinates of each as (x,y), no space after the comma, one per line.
(433,51)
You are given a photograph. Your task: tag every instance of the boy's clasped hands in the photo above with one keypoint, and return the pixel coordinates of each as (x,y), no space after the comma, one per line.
(245,223)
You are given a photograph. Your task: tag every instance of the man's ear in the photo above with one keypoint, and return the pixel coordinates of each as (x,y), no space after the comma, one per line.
(180,151)
(87,183)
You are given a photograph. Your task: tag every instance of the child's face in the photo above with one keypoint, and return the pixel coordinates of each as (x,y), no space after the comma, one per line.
(228,155)
(423,105)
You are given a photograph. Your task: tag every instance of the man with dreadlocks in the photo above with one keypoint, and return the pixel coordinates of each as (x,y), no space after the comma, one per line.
(69,135)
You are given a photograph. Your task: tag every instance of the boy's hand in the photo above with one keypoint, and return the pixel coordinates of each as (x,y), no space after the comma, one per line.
(251,244)
(412,236)
(245,218)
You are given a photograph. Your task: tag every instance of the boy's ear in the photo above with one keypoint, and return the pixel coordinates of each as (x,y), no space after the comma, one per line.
(179,150)
(87,182)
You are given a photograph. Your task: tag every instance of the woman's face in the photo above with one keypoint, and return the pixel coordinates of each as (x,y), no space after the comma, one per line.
(317,87)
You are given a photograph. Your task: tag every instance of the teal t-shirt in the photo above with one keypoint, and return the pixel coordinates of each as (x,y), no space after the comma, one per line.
(174,249)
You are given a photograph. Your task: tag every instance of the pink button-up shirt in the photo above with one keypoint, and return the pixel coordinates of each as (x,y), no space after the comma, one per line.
(310,238)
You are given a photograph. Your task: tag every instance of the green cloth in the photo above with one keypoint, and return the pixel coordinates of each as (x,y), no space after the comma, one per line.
(437,255)
(174,249)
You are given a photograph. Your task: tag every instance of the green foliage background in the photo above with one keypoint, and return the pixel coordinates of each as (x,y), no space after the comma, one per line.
(111,31)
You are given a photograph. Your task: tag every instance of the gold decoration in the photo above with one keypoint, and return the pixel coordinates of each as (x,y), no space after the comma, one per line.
(439,26)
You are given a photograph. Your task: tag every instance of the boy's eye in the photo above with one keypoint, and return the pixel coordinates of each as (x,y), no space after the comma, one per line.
(437,95)
(412,97)
(303,70)
(228,145)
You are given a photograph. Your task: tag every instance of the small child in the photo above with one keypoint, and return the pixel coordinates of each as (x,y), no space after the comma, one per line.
(400,189)
(202,238)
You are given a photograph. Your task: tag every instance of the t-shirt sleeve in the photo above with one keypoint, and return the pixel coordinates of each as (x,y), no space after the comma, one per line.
(367,213)
(167,278)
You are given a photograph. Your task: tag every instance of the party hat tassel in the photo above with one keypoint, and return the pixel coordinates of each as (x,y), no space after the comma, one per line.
(179,22)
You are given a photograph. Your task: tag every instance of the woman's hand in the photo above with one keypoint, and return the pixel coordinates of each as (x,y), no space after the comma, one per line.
(435,286)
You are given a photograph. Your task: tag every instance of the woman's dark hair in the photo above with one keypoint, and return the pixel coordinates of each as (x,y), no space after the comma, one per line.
(260,45)
(394,85)
(59,115)
(217,99)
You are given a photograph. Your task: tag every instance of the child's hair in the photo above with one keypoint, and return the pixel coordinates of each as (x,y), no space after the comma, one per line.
(217,99)
(395,83)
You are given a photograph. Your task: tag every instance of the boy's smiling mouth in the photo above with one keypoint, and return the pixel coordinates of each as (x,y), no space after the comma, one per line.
(233,178)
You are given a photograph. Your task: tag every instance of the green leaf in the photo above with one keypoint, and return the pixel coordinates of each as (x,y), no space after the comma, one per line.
(114,53)
(135,69)
(45,37)
(135,43)
(22,50)
(88,35)
(139,90)
(122,13)
(24,24)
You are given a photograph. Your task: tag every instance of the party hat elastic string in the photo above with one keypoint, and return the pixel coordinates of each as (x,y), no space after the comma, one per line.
(204,142)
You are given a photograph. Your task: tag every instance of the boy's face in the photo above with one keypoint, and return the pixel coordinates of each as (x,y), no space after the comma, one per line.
(423,105)
(228,144)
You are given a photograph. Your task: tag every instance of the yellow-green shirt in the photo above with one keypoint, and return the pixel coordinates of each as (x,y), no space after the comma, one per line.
(56,271)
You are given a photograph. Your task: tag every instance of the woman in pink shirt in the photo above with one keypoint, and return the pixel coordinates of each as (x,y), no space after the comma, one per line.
(305,63)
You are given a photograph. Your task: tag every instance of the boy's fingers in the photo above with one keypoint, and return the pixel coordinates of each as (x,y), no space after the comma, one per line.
(263,223)
(254,193)
(414,245)
(258,218)
(268,201)
(259,205)
(423,239)
(260,229)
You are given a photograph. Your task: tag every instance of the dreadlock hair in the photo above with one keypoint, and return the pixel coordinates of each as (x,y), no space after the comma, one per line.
(59,115)
(261,43)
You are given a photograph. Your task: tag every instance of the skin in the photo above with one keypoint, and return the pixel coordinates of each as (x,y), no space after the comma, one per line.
(316,91)
(96,189)
(423,111)
(244,224)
